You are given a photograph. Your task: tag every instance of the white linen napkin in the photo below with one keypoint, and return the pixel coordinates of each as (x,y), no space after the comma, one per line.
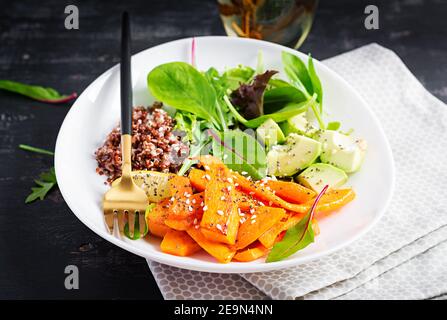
(404,255)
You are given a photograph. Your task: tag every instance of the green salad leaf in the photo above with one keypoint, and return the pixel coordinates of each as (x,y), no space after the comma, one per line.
(306,80)
(316,83)
(195,136)
(290,110)
(296,71)
(45,182)
(297,237)
(334,125)
(278,83)
(234,77)
(181,86)
(240,152)
(47,95)
(277,98)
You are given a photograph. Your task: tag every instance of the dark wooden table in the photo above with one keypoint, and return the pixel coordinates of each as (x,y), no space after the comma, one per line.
(38,240)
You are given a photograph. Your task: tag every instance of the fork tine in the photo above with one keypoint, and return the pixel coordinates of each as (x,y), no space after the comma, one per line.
(109,218)
(142,221)
(131,221)
(122,216)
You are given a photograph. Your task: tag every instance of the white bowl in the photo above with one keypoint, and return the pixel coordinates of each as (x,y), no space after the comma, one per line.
(96,112)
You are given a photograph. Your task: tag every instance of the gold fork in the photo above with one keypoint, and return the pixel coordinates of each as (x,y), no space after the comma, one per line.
(125,200)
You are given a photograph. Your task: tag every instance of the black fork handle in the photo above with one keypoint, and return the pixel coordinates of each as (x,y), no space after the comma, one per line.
(126,76)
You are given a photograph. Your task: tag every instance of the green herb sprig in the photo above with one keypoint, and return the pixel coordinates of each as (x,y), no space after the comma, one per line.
(46,180)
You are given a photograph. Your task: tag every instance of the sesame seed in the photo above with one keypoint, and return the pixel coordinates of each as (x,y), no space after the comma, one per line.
(230,180)
(197,226)
(190,209)
(253,221)
(219,227)
(195,221)
(253,217)
(222,198)
(252,210)
(244,173)
(242,220)
(193,201)
(207,168)
(220,212)
(236,184)
(205,208)
(207,177)
(229,188)
(187,201)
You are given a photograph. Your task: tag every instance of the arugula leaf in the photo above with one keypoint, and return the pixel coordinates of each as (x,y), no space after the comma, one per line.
(195,135)
(316,83)
(46,181)
(335,125)
(181,86)
(36,150)
(250,97)
(277,98)
(47,95)
(297,237)
(297,72)
(240,152)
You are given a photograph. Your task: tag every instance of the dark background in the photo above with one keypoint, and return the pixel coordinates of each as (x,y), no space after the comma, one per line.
(38,240)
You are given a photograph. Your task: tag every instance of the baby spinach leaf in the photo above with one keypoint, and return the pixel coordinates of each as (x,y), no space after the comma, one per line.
(277,98)
(181,86)
(316,83)
(240,152)
(297,237)
(47,95)
(46,181)
(297,72)
(250,97)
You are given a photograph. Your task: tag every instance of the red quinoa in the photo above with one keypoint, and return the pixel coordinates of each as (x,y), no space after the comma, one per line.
(154,146)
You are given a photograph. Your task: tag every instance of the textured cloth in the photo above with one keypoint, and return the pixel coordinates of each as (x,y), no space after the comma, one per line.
(404,255)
